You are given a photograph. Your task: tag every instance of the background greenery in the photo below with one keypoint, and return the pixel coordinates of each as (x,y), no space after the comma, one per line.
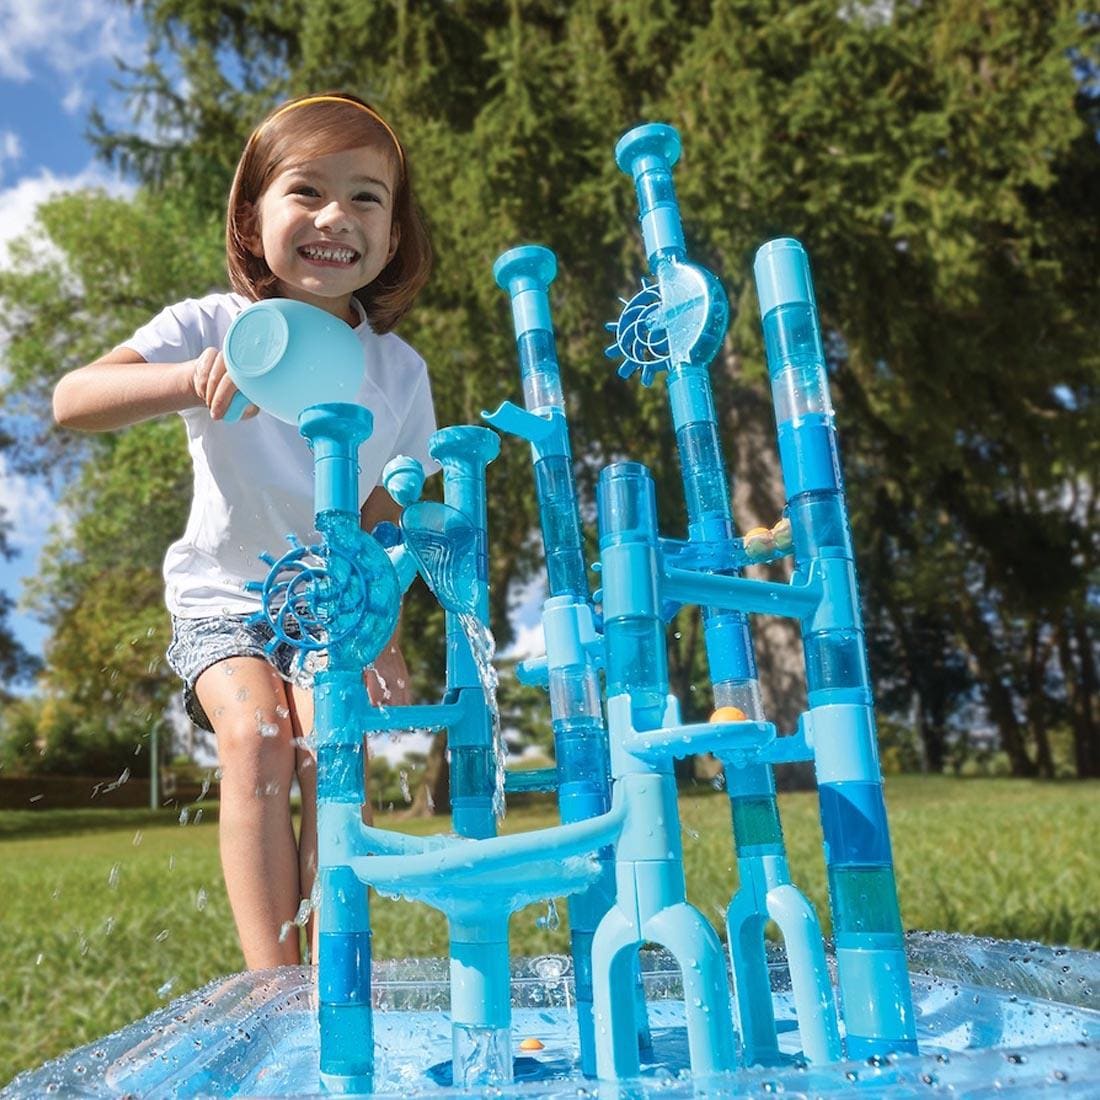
(110,914)
(940,162)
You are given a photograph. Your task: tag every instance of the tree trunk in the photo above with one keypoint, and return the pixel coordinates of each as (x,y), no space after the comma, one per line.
(1079,676)
(1037,710)
(998,698)
(758,501)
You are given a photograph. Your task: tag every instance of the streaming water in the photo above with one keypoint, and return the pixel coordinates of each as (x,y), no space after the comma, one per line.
(483,647)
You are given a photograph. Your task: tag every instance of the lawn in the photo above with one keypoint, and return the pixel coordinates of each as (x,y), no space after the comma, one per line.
(111,913)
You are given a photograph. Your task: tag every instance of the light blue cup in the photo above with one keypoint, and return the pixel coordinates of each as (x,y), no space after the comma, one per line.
(285,356)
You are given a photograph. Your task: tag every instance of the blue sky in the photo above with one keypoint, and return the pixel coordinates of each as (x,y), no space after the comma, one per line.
(56,60)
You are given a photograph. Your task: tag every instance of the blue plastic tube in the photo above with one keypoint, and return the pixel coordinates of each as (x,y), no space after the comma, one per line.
(580,737)
(695,315)
(464,453)
(867,926)
(344,947)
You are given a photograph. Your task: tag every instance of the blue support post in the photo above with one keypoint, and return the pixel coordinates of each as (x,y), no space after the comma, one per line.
(476,770)
(874,980)
(693,314)
(651,902)
(344,952)
(580,739)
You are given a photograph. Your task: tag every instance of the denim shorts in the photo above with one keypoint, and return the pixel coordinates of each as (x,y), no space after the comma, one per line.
(199,643)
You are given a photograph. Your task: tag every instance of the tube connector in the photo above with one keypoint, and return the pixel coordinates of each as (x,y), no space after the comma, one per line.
(526,274)
(647,153)
(782,273)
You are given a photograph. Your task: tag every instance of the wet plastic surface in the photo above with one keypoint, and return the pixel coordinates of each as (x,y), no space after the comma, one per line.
(993,1017)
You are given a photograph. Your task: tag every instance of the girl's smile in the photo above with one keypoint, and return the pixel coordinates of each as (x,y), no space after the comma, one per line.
(326,227)
(328,255)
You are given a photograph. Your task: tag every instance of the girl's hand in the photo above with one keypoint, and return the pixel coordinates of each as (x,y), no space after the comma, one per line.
(388,680)
(212,385)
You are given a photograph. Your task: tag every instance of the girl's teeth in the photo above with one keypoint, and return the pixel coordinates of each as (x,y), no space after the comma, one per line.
(338,255)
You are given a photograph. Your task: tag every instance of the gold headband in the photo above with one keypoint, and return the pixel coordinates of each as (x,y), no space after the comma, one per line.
(338,99)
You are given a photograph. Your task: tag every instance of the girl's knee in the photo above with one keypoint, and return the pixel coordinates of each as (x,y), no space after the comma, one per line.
(256,743)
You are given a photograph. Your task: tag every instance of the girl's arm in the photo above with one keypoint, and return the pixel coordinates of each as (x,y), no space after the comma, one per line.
(121,388)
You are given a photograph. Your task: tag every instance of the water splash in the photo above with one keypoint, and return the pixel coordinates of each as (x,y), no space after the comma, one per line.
(301,918)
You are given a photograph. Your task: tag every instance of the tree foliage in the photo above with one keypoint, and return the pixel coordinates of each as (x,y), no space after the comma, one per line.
(939,161)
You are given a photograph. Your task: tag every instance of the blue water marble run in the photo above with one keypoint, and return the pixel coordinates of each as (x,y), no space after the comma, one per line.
(616,853)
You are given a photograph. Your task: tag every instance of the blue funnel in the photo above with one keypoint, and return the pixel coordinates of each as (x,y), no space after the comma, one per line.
(446,547)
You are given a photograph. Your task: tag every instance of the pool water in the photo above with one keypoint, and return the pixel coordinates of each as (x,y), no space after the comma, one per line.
(992,1016)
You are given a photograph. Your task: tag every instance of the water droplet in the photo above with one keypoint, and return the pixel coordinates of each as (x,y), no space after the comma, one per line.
(551,921)
(112,876)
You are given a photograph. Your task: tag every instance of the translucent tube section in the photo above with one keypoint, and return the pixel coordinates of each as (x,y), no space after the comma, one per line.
(539,371)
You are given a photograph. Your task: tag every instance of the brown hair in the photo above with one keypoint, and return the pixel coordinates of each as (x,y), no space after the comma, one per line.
(314,126)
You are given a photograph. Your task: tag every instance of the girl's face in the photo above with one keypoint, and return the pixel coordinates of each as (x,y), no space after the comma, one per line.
(325,227)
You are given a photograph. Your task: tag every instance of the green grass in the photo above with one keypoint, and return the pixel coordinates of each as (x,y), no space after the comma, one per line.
(110,913)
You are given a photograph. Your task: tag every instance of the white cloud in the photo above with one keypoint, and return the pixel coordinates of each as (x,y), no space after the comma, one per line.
(11,150)
(20,201)
(527,642)
(28,506)
(65,36)
(74,99)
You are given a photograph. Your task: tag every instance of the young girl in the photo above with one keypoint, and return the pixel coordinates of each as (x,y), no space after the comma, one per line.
(321,210)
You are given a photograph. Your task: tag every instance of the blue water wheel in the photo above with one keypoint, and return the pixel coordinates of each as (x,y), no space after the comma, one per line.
(640,336)
(313,598)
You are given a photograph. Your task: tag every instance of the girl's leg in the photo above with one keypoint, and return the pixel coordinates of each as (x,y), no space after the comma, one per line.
(305,765)
(247,704)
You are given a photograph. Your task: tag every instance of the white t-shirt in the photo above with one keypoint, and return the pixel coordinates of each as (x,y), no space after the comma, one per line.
(254,478)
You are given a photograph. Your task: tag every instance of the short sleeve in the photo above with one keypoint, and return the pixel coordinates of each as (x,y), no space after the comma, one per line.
(185,330)
(169,337)
(418,426)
